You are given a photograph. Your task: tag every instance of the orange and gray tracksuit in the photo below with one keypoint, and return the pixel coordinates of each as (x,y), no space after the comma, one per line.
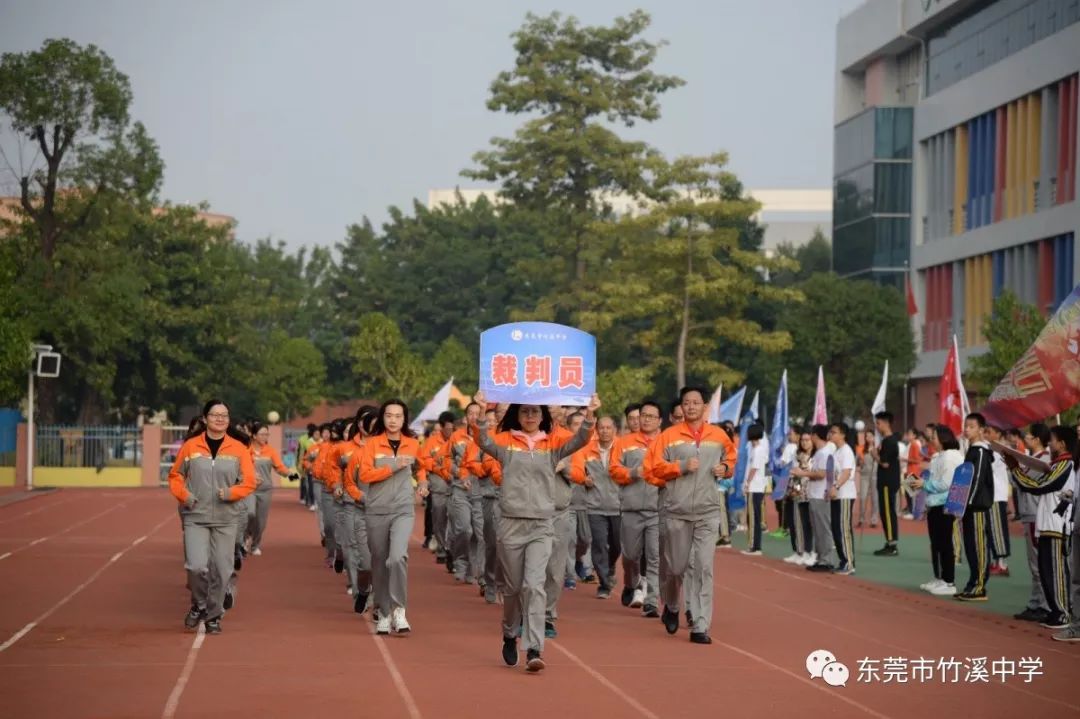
(267,461)
(579,534)
(390,511)
(490,474)
(640,523)
(602,508)
(568,539)
(527,501)
(466,507)
(325,470)
(1053,492)
(691,511)
(431,461)
(209,522)
(357,553)
(314,459)
(335,482)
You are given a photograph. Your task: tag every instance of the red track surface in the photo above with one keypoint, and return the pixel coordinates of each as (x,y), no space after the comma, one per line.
(91,626)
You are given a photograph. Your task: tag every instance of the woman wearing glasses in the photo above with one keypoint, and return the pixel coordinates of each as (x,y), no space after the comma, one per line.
(211,473)
(267,461)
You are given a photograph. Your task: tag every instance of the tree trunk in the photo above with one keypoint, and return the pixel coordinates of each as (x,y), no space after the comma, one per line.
(684,328)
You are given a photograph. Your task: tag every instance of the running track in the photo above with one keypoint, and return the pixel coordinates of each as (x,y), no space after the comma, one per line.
(92,600)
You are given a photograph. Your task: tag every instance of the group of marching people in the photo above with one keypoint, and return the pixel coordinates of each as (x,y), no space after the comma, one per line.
(524,500)
(222,479)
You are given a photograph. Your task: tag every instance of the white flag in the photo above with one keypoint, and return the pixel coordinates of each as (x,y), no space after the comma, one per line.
(879,400)
(438,404)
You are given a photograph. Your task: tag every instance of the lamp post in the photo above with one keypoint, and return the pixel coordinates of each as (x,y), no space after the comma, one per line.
(44,363)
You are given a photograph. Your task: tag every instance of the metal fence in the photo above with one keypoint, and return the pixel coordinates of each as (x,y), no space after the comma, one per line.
(88,446)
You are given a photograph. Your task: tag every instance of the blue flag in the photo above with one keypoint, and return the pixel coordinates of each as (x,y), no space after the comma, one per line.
(731,408)
(778,434)
(742,462)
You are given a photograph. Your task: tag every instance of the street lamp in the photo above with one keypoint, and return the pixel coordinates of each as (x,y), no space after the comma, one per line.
(44,363)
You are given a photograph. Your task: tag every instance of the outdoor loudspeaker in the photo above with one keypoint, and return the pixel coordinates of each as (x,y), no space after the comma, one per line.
(48,364)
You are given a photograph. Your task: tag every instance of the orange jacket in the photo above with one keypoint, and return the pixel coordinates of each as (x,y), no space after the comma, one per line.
(378,447)
(351,475)
(333,467)
(689,493)
(311,456)
(389,487)
(196,474)
(628,442)
(431,454)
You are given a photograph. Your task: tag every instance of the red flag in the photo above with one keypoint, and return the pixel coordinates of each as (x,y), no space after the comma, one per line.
(953,398)
(912,308)
(1046,378)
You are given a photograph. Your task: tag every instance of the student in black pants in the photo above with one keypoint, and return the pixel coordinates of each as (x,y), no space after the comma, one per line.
(975,525)
(887,457)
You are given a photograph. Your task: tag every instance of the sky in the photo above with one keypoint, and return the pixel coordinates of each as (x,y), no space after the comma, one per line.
(300,118)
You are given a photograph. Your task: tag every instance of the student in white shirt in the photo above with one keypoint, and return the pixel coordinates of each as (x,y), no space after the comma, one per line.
(754,486)
(999,513)
(842,497)
(820,519)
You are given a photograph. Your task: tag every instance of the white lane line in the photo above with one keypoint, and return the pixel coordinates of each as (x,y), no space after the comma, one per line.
(185,674)
(799,677)
(399,681)
(39,540)
(604,680)
(51,610)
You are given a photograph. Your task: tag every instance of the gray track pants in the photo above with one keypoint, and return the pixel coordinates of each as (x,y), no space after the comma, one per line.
(563,527)
(641,530)
(388,539)
(524,551)
(439,522)
(688,547)
(262,516)
(357,553)
(492,576)
(466,536)
(208,558)
(821,525)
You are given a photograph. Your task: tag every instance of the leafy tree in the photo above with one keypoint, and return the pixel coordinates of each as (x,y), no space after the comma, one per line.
(575,82)
(622,386)
(15,336)
(850,328)
(452,359)
(812,258)
(681,278)
(292,376)
(382,360)
(1010,329)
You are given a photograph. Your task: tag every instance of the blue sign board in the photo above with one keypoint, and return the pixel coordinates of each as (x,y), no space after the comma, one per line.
(538,363)
(956,502)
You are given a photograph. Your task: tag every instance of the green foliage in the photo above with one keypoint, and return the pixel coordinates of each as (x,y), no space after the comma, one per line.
(850,328)
(622,386)
(810,259)
(1010,329)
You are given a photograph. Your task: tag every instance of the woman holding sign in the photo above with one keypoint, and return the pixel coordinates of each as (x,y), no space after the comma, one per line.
(528,454)
(387,464)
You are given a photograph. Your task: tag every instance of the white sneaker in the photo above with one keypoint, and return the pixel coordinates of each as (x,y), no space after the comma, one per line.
(382,626)
(740,527)
(643,585)
(433,545)
(794,559)
(256,552)
(751,552)
(638,600)
(908,515)
(931,585)
(809,559)
(944,590)
(311,508)
(399,622)
(348,590)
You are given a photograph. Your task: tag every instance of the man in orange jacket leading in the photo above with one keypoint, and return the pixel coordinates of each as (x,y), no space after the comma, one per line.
(686,460)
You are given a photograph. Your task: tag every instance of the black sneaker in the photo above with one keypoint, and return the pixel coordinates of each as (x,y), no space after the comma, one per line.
(510,652)
(1056,621)
(819,567)
(193,617)
(213,626)
(359,602)
(689,618)
(227,604)
(650,612)
(440,560)
(971,596)
(238,560)
(723,542)
(339,562)
(889,550)
(627,596)
(449,565)
(670,619)
(1032,615)
(549,630)
(700,638)
(533,662)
